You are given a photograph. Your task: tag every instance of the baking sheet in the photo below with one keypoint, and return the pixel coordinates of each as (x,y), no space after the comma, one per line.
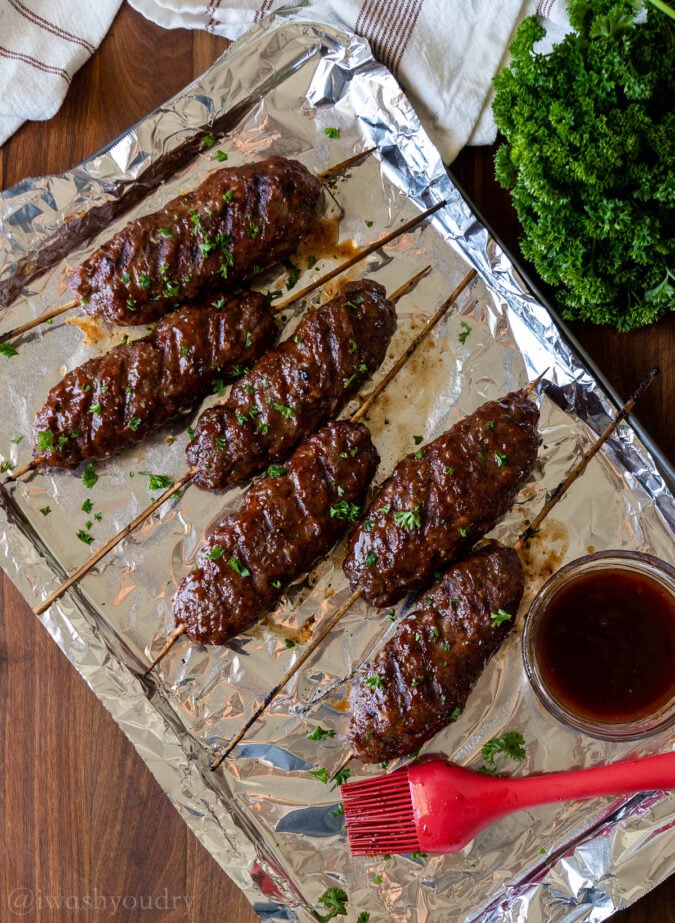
(264,818)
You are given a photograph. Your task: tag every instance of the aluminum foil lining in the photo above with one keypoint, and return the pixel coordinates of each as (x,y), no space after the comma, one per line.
(266,820)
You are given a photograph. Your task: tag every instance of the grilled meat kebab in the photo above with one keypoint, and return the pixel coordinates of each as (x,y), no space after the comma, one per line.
(115,400)
(420,680)
(295,387)
(238,221)
(440,500)
(286,522)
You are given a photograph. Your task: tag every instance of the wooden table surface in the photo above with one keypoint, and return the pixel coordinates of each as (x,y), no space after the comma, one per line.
(83,824)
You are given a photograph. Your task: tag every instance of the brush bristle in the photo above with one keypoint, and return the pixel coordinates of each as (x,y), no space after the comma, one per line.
(379,815)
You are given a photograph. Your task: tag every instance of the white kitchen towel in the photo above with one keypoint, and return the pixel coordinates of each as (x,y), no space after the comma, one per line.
(443,52)
(42,44)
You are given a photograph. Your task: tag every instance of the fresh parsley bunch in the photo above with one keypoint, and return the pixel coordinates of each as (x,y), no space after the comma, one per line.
(590,159)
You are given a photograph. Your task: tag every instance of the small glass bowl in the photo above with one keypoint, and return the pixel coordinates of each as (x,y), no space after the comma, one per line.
(642,722)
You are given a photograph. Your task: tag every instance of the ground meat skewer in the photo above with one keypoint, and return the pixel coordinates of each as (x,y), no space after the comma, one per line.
(295,387)
(420,680)
(238,221)
(440,500)
(286,522)
(113,401)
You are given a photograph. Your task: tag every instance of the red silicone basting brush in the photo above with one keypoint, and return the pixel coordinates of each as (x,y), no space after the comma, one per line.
(437,807)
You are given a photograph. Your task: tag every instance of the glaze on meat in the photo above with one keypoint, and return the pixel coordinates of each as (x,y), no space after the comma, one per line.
(421,679)
(294,388)
(439,501)
(238,221)
(287,521)
(113,401)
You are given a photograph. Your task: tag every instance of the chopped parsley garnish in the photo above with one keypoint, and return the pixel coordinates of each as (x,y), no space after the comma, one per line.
(466,330)
(276,471)
(45,440)
(208,140)
(6,466)
(512,744)
(293,276)
(342,775)
(157,481)
(276,584)
(408,519)
(420,454)
(463,532)
(239,568)
(215,553)
(418,439)
(45,510)
(320,733)
(89,476)
(84,536)
(374,681)
(353,346)
(320,774)
(87,506)
(384,509)
(165,232)
(218,386)
(134,423)
(285,411)
(371,559)
(221,156)
(332,132)
(252,227)
(490,424)
(248,340)
(368,223)
(7,350)
(335,901)
(221,443)
(449,469)
(227,196)
(350,380)
(95,408)
(456,712)
(418,855)
(500,616)
(289,642)
(16,440)
(345,510)
(500,458)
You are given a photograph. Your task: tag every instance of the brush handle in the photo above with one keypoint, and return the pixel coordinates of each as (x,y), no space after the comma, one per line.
(622,778)
(451,804)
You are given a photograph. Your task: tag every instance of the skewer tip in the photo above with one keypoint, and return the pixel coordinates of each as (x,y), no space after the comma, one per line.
(171,640)
(15,475)
(341,768)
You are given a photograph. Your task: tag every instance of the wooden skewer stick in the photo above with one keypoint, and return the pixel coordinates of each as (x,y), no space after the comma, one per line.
(308,651)
(323,177)
(15,475)
(343,765)
(170,491)
(592,450)
(170,641)
(332,172)
(360,255)
(16,331)
(528,533)
(115,540)
(403,358)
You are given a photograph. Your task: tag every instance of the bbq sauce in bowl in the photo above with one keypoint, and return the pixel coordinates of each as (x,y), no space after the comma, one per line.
(599,645)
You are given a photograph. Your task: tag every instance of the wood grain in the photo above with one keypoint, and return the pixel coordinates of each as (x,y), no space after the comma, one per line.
(82,820)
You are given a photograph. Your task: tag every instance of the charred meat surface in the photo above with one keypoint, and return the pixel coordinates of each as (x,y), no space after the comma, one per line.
(294,388)
(286,522)
(439,501)
(421,679)
(115,400)
(240,220)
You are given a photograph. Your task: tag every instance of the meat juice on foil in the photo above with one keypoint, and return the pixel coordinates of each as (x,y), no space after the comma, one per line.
(267,821)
